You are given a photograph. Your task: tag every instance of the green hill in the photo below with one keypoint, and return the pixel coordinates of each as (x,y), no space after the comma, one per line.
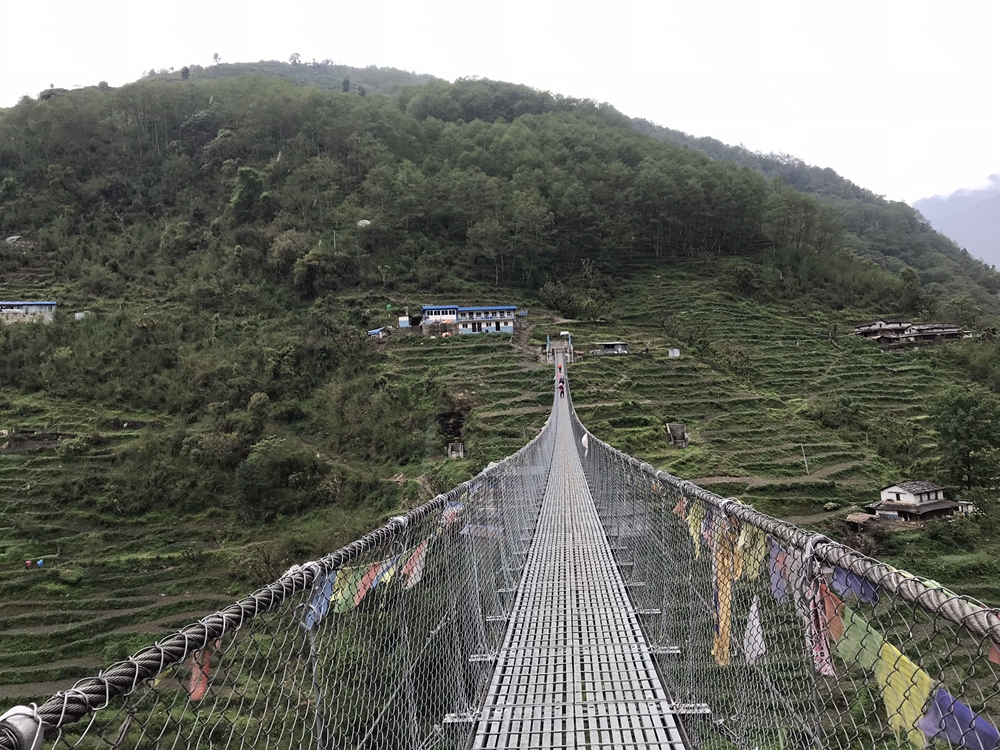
(219,413)
(324,74)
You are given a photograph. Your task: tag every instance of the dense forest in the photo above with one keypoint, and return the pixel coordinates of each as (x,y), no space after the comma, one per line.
(475,179)
(240,206)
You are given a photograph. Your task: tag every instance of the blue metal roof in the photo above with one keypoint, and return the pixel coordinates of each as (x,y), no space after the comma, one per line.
(469,309)
(4,302)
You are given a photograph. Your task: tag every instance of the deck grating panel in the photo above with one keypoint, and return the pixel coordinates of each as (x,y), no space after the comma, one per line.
(574,670)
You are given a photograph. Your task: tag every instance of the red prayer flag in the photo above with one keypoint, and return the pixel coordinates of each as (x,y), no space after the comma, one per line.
(414,567)
(200,665)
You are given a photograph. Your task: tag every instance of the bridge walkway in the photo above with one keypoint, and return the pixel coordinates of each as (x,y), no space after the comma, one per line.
(574,670)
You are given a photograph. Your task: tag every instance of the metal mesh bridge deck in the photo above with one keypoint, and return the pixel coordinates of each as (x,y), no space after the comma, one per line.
(574,669)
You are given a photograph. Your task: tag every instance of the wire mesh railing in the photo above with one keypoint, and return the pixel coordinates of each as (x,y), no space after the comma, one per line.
(779,638)
(372,646)
(767,637)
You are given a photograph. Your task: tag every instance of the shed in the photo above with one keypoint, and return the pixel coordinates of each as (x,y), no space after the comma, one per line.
(678,435)
(858,520)
(610,347)
(673,353)
(456,450)
(26,311)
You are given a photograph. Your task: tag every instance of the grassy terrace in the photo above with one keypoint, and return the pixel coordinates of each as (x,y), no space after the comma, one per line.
(111,585)
(748,423)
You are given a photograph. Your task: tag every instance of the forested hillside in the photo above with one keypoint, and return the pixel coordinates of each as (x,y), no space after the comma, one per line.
(215,222)
(323,74)
(219,412)
(217,226)
(891,233)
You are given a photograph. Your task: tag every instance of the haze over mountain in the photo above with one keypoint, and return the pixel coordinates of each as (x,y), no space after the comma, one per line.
(970,217)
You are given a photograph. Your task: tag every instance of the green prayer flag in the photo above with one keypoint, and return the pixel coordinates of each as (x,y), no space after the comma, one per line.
(345,587)
(860,644)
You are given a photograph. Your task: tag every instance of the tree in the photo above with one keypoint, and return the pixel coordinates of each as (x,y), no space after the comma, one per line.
(216,58)
(345,85)
(362,91)
(909,299)
(965,311)
(295,58)
(185,73)
(250,202)
(967,419)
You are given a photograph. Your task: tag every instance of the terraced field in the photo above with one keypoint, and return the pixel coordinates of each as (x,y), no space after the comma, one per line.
(749,427)
(111,584)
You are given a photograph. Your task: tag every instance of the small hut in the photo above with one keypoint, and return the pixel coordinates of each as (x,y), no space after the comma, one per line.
(678,435)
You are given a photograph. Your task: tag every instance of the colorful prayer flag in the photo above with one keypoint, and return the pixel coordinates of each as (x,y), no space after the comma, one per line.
(200,665)
(779,573)
(951,720)
(367,582)
(344,588)
(906,689)
(723,569)
(388,571)
(859,645)
(751,551)
(320,604)
(847,583)
(450,513)
(695,517)
(819,628)
(413,568)
(754,646)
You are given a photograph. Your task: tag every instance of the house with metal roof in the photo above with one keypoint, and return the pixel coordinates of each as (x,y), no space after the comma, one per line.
(26,311)
(913,501)
(475,319)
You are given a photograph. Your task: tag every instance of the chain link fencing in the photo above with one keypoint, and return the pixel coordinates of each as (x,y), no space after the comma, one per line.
(772,637)
(377,645)
(767,637)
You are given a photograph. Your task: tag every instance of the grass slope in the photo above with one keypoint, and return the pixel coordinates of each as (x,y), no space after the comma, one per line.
(111,585)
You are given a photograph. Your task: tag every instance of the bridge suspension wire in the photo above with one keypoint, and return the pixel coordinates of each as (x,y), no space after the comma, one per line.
(650,612)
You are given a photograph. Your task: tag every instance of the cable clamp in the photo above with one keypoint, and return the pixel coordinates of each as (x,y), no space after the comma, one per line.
(23,723)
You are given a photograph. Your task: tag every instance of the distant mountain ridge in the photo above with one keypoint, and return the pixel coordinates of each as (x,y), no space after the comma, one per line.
(970,217)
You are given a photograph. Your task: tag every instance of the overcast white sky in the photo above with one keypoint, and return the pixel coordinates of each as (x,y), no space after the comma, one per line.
(900,96)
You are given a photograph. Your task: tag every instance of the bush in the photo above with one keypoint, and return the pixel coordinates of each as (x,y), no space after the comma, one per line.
(279,476)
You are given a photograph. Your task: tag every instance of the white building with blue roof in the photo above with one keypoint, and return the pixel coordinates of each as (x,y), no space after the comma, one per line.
(477,319)
(26,311)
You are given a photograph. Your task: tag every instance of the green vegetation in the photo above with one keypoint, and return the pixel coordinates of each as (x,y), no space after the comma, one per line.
(220,412)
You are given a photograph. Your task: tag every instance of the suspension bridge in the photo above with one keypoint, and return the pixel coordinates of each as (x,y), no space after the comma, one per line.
(570,596)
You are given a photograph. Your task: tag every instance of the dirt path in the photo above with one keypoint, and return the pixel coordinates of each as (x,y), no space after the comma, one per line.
(817,517)
(833,469)
(819,476)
